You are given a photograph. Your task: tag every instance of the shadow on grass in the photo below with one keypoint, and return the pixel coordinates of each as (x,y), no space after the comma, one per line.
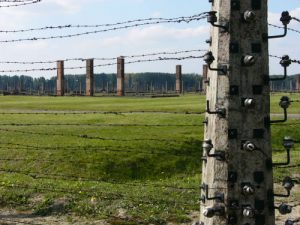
(164,163)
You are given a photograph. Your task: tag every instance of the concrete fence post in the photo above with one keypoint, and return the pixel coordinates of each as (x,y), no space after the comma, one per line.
(298,83)
(60,87)
(120,76)
(90,77)
(179,79)
(237,174)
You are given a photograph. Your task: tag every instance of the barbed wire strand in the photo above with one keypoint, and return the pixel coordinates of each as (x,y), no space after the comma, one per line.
(19,3)
(279,27)
(69,26)
(177,20)
(85,192)
(118,148)
(173,153)
(106,64)
(87,137)
(296,19)
(103,59)
(280,57)
(98,125)
(101,112)
(76,178)
(109,196)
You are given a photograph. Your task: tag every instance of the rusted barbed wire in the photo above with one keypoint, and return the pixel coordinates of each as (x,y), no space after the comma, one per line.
(104,59)
(88,137)
(65,177)
(106,64)
(296,19)
(17,3)
(135,25)
(279,27)
(69,26)
(98,125)
(280,57)
(101,112)
(90,148)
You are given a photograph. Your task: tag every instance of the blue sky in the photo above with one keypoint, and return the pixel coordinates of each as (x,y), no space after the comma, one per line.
(169,37)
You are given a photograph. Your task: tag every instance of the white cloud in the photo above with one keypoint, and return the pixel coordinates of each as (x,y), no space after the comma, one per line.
(274,18)
(69,6)
(153,34)
(296,12)
(156,14)
(158,32)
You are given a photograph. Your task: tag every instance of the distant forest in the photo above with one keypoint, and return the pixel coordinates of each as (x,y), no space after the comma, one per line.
(103,83)
(106,83)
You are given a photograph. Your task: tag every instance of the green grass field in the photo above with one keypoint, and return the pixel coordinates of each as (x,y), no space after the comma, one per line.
(146,165)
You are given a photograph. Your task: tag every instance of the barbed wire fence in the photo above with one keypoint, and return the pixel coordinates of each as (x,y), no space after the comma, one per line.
(71,177)
(32,173)
(17,3)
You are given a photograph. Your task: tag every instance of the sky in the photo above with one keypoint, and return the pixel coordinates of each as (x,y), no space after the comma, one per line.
(140,40)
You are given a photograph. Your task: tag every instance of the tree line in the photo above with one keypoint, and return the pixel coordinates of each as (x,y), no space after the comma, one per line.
(75,84)
(106,83)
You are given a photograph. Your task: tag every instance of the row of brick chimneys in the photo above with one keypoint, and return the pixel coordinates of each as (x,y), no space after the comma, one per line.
(120,78)
(298,83)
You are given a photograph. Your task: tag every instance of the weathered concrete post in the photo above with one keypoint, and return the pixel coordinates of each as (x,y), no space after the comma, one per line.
(120,76)
(179,79)
(237,180)
(204,78)
(60,87)
(89,77)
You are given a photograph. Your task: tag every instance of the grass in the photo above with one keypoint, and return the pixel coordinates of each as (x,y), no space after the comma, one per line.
(191,103)
(82,164)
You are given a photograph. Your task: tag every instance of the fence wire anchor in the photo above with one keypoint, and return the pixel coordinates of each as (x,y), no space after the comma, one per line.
(209,59)
(284,104)
(285,19)
(212,19)
(288,185)
(288,143)
(208,146)
(219,111)
(219,197)
(284,209)
(285,62)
